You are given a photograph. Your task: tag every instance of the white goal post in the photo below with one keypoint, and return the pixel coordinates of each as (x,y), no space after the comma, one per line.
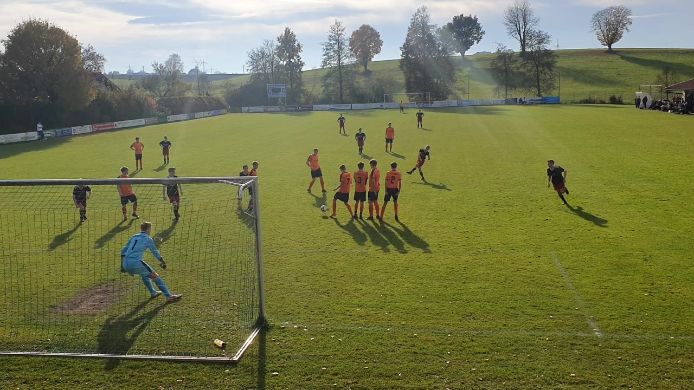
(66,295)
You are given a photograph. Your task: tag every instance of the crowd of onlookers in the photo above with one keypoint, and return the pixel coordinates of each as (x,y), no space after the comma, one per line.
(678,105)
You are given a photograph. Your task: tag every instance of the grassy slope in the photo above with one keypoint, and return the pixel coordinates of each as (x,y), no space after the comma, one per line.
(488,282)
(584,73)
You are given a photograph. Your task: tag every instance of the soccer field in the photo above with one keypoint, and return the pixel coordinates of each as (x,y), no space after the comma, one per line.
(487,281)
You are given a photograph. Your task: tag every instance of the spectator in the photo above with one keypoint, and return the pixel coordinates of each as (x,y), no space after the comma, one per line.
(39,131)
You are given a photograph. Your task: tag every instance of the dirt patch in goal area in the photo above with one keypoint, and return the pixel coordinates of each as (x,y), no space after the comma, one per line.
(93,300)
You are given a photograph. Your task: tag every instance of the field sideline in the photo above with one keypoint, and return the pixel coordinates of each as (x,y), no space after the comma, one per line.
(489,281)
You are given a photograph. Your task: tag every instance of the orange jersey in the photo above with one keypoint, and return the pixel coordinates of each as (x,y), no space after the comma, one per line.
(253,172)
(125,189)
(345,182)
(390,133)
(313,162)
(375,180)
(138,146)
(393,179)
(360,179)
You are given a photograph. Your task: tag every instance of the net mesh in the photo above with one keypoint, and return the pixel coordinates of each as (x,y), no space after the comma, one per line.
(64,291)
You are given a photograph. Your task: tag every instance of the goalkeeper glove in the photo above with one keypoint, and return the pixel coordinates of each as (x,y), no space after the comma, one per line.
(163,263)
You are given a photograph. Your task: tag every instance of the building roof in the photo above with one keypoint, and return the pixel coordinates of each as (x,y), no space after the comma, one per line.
(683,86)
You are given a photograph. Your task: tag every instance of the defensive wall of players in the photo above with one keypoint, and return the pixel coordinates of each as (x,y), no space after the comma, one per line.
(394,105)
(97,127)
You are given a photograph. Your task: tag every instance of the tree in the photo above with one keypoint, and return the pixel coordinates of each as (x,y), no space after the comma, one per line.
(365,43)
(336,58)
(42,75)
(520,21)
(610,24)
(504,67)
(540,60)
(465,32)
(263,62)
(424,58)
(289,55)
(93,60)
(167,80)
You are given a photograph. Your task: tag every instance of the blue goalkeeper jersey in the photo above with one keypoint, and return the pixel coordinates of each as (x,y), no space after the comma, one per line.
(135,249)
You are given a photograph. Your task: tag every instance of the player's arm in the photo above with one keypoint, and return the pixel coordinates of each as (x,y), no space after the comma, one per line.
(308,161)
(549,178)
(565,174)
(399,184)
(180,189)
(89,193)
(155,252)
(74,199)
(338,186)
(132,146)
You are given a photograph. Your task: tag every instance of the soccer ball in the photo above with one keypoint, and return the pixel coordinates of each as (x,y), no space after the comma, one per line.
(323,208)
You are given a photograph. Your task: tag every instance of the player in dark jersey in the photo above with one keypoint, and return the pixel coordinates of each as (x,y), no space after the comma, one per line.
(420,117)
(173,192)
(557,175)
(165,148)
(360,137)
(341,121)
(80,194)
(421,158)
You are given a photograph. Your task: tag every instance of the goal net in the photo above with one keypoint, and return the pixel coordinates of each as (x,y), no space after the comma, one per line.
(410,99)
(64,293)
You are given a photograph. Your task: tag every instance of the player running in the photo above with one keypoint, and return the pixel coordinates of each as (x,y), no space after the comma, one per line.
(360,137)
(557,175)
(165,148)
(341,121)
(127,195)
(420,117)
(132,262)
(393,187)
(138,147)
(173,192)
(421,158)
(361,177)
(312,162)
(374,187)
(390,136)
(343,189)
(80,194)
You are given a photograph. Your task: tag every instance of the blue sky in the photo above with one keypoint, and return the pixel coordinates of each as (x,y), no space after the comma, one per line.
(138,32)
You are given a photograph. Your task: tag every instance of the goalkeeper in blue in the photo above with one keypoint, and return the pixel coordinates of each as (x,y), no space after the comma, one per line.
(132,262)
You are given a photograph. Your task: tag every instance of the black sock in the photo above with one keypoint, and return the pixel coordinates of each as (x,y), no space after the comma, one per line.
(562,198)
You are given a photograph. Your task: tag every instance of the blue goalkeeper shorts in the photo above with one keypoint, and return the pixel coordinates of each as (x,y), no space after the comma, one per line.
(137,267)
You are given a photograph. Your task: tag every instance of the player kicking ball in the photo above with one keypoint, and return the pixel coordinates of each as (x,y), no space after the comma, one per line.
(173,192)
(360,179)
(557,175)
(421,159)
(393,187)
(343,189)
(80,194)
(133,263)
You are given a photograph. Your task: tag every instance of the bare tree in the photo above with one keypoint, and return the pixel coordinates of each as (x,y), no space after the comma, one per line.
(520,21)
(263,62)
(610,24)
(504,67)
(540,60)
(336,57)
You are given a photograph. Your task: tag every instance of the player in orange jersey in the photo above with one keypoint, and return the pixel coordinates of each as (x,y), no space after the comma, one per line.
(312,162)
(393,187)
(138,147)
(343,189)
(127,195)
(374,187)
(360,179)
(390,136)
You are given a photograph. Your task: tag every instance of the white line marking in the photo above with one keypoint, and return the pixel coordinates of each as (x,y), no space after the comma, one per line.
(577,297)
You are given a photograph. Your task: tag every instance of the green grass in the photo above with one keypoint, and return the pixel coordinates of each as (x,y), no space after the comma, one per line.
(488,282)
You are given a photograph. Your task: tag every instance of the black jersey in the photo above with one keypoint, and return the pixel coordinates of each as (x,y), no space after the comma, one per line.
(80,194)
(423,154)
(420,115)
(556,174)
(172,189)
(341,120)
(360,137)
(165,144)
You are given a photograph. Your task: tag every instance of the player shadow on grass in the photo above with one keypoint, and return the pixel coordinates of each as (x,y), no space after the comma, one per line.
(351,228)
(121,227)
(439,186)
(160,168)
(373,234)
(396,155)
(365,156)
(119,333)
(390,236)
(320,200)
(134,173)
(163,235)
(578,210)
(63,238)
(409,236)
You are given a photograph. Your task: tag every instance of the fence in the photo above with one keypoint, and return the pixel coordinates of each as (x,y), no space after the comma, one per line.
(107,126)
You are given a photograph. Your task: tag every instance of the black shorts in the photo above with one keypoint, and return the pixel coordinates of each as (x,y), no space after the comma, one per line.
(138,157)
(130,198)
(391,193)
(373,196)
(342,196)
(389,140)
(360,196)
(81,204)
(316,173)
